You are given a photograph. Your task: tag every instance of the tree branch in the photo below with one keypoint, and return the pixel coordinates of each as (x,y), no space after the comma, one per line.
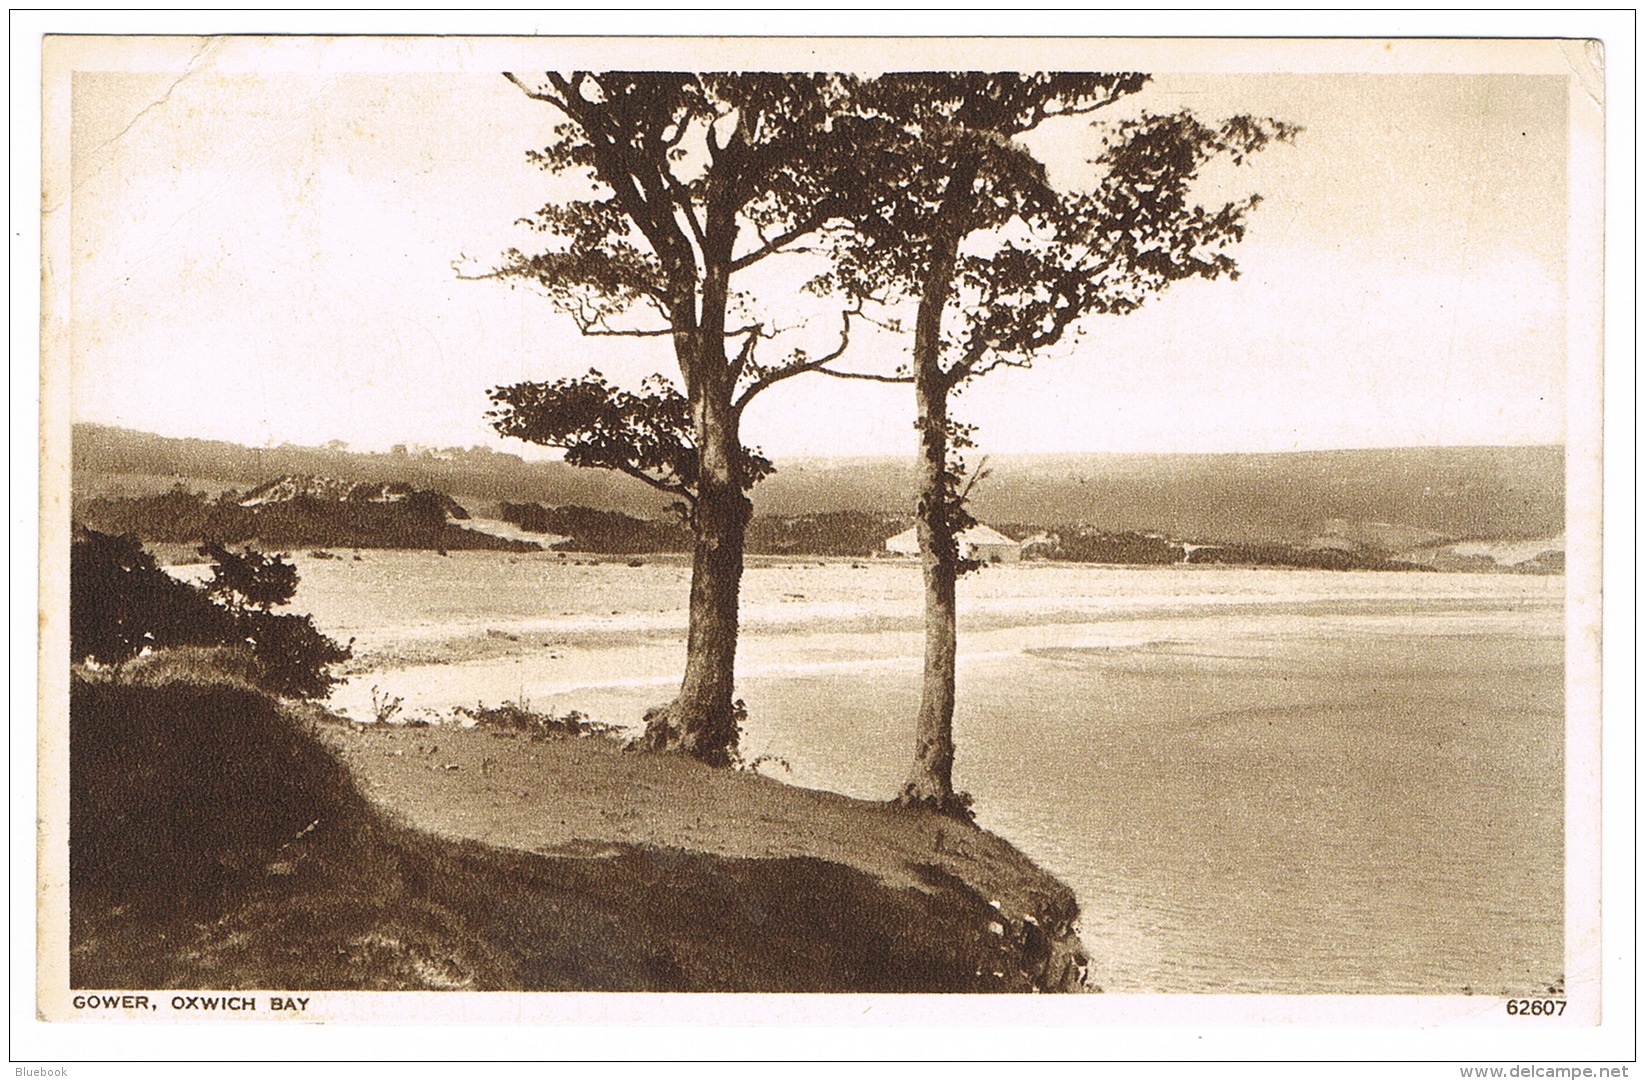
(592,331)
(809,225)
(999,360)
(893,325)
(789,371)
(536,94)
(966,366)
(490,275)
(872,376)
(746,351)
(642,187)
(716,149)
(671,487)
(1115,92)
(687,209)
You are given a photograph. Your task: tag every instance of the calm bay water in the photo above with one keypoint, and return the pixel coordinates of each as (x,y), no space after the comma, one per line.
(1254,780)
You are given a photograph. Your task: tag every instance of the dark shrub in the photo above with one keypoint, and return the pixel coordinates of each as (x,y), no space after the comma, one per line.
(829,533)
(248,579)
(528,516)
(120,602)
(181,516)
(519,717)
(293,657)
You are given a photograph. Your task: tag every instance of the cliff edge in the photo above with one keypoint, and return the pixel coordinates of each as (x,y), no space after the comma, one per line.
(221,839)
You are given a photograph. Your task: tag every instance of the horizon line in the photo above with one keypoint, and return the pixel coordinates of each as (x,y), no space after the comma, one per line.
(808,456)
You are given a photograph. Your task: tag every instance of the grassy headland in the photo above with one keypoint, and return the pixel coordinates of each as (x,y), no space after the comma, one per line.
(224,839)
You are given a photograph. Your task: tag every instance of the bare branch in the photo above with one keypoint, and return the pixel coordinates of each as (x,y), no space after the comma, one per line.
(717,149)
(687,210)
(538,94)
(966,366)
(892,326)
(657,302)
(818,364)
(490,275)
(772,244)
(593,331)
(1000,360)
(670,141)
(978,475)
(671,487)
(746,352)
(682,199)
(872,376)
(1115,92)
(817,220)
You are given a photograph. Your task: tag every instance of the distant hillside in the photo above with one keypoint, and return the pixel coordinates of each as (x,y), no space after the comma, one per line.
(836,533)
(294,512)
(296,487)
(1479,493)
(118,461)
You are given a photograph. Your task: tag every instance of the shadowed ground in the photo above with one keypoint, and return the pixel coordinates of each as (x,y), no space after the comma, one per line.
(215,843)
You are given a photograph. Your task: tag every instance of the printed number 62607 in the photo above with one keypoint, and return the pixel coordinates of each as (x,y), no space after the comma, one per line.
(1536,1007)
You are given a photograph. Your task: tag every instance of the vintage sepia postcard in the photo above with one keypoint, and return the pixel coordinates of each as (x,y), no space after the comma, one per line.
(574,530)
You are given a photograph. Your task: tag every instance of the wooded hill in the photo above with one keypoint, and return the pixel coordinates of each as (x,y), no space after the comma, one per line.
(1480,492)
(1485,493)
(301,519)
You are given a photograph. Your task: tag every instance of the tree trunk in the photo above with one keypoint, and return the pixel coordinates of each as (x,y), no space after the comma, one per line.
(932,780)
(704,719)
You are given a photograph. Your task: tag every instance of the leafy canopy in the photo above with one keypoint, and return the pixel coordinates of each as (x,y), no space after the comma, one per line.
(647,435)
(1019,261)
(248,579)
(121,603)
(694,178)
(1000,263)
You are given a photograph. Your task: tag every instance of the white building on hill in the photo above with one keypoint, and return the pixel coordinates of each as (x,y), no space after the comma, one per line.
(980,542)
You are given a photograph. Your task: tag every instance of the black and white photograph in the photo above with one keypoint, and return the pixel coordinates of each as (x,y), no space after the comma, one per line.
(537,522)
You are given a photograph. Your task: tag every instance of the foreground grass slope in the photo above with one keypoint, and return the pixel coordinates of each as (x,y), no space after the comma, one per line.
(217,842)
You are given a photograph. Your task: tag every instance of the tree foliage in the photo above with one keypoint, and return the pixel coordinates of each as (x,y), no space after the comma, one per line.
(646,435)
(696,178)
(1000,265)
(1023,260)
(121,602)
(248,580)
(693,179)
(1006,263)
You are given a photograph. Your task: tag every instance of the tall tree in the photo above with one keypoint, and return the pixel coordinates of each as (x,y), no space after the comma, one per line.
(695,178)
(1000,265)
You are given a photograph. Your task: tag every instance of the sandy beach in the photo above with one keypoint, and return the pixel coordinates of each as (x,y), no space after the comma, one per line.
(1347,768)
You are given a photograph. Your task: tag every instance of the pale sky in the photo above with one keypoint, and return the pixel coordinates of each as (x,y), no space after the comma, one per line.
(268,258)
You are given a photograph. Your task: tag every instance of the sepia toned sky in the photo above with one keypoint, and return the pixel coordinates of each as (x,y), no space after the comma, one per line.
(268,257)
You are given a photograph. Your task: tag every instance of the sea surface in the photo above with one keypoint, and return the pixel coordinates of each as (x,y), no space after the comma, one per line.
(1255,780)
